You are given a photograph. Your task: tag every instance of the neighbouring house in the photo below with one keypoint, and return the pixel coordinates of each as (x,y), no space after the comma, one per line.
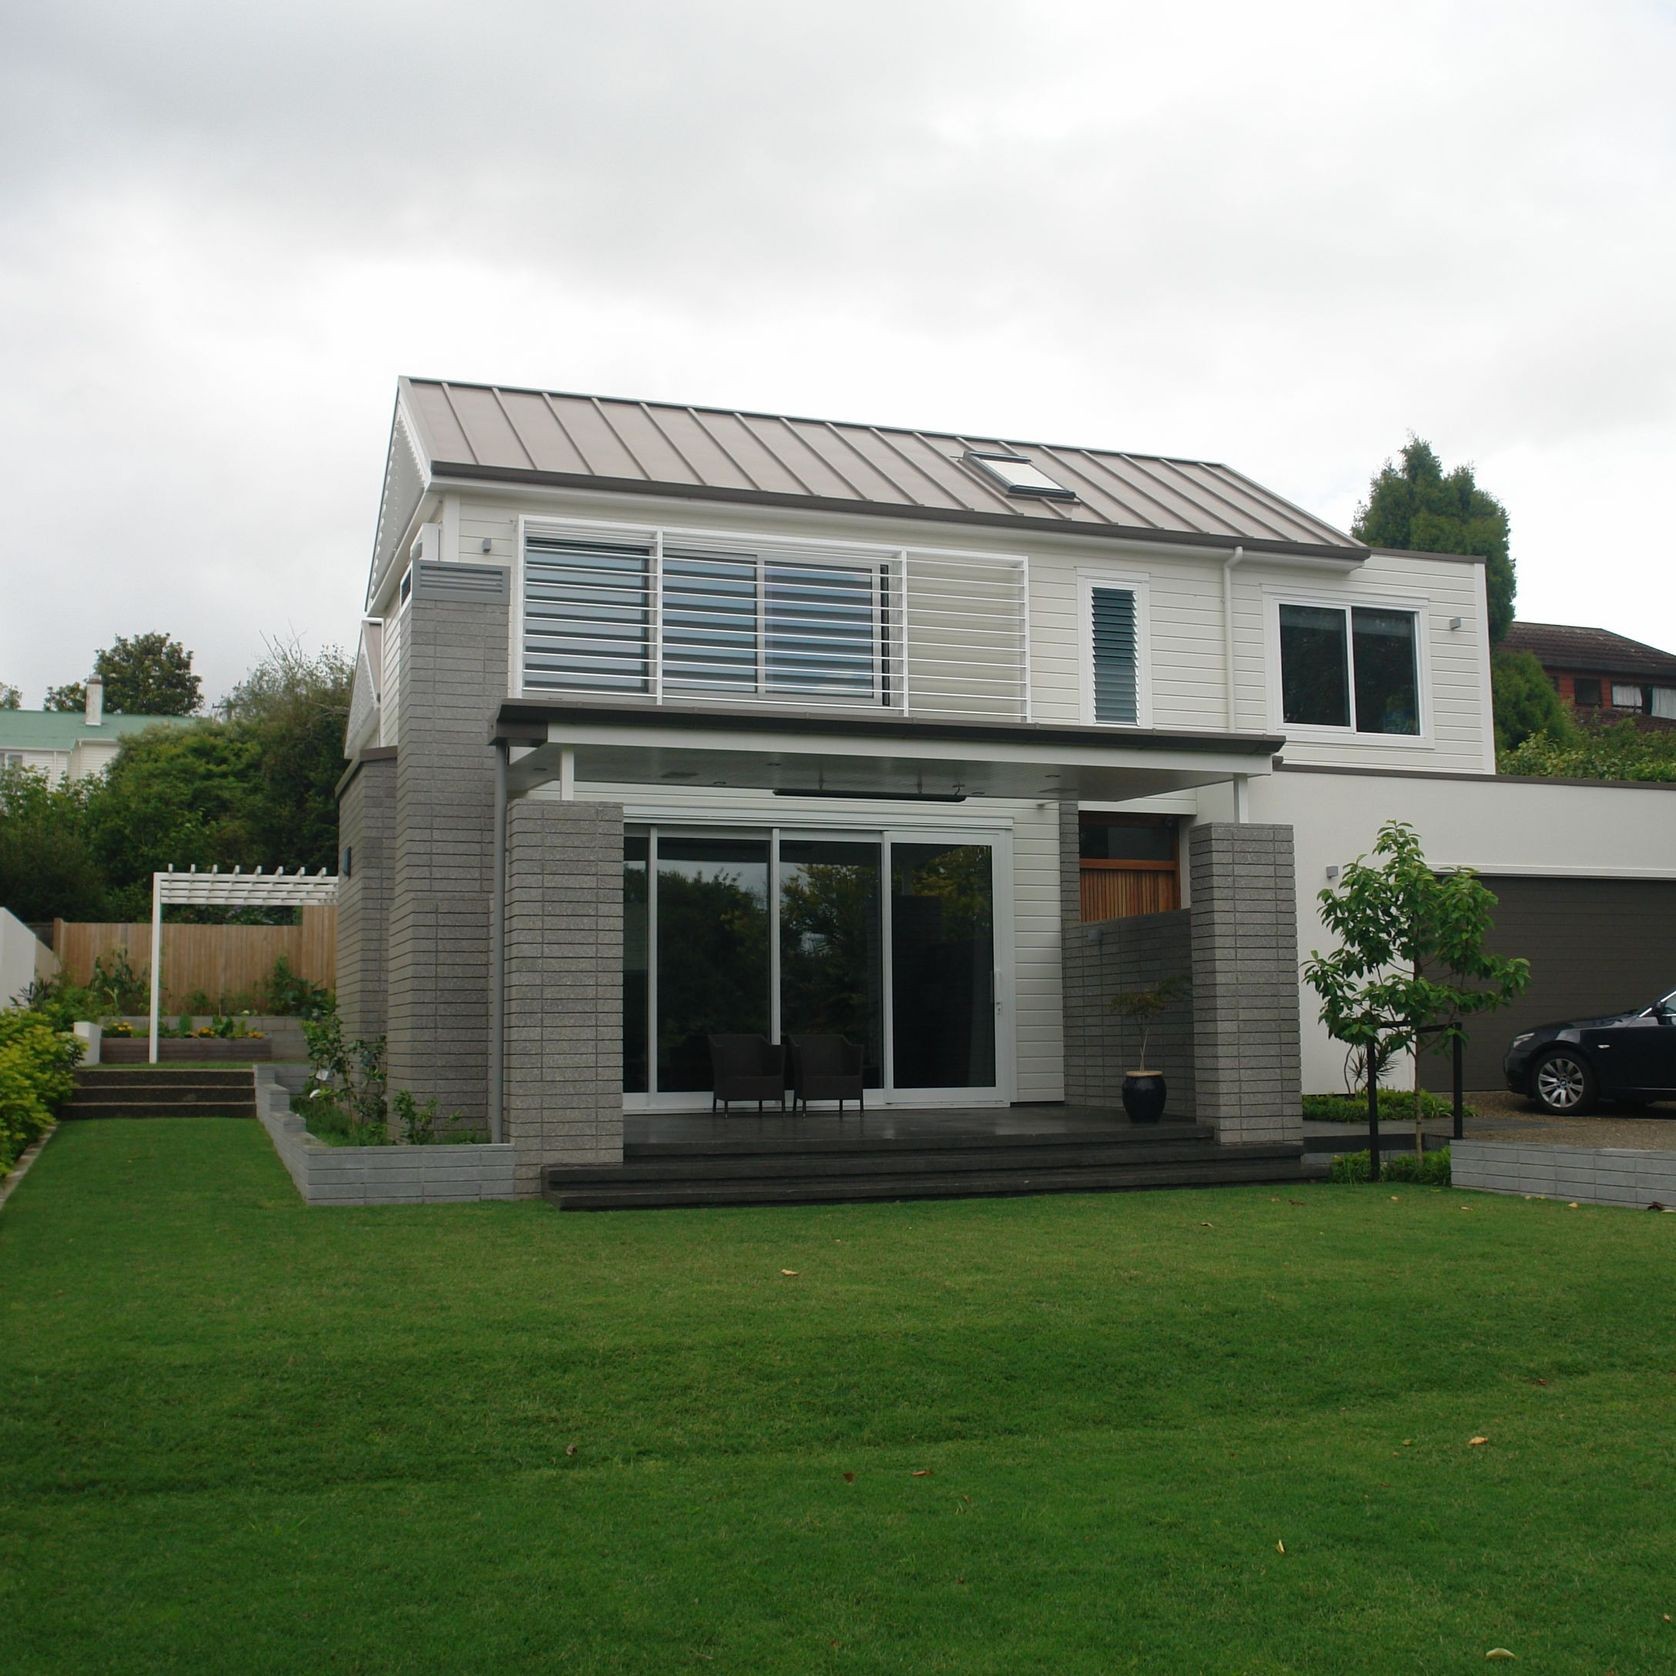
(1602,676)
(673,721)
(70,744)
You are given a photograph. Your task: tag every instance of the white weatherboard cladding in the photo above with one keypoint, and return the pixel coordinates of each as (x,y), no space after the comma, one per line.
(1495,826)
(395,648)
(1457,734)
(1039,1038)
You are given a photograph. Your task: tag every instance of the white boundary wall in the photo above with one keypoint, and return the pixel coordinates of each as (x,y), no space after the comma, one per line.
(24,958)
(1538,828)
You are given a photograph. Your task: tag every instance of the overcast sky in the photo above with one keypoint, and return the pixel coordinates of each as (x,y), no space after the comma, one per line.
(1280,236)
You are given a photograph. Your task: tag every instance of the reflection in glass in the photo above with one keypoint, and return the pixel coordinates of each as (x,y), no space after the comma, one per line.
(1314,676)
(942,911)
(831,971)
(636,968)
(712,950)
(1387,692)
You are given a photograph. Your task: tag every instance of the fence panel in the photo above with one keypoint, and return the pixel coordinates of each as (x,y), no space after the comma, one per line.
(228,963)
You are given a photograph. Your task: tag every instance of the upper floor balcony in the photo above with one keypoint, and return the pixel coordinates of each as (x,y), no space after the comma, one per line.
(650,615)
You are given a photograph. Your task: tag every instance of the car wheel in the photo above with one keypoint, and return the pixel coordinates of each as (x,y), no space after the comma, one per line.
(1564,1084)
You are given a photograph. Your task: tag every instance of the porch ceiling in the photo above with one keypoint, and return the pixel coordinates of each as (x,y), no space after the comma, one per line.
(838,754)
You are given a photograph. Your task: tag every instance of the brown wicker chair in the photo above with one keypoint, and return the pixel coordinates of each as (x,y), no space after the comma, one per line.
(747,1068)
(826,1068)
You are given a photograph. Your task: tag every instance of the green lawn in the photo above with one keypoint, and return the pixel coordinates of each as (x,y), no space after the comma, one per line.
(1057,1434)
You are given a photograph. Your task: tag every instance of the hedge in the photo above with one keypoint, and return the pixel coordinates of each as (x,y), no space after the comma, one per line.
(37,1073)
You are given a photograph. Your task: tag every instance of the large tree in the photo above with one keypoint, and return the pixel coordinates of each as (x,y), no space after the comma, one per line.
(10,697)
(1416,506)
(47,868)
(146,675)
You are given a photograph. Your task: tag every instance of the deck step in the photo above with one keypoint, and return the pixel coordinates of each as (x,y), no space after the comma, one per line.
(862,1141)
(1223,1170)
(919,1160)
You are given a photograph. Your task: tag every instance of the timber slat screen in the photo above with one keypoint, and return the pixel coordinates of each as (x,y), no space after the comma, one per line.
(1128,865)
(224,961)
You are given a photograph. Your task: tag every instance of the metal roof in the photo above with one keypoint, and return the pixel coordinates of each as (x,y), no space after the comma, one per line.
(1567,647)
(497,433)
(58,730)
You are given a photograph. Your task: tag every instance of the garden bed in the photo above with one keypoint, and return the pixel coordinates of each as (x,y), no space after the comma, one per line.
(187,1050)
(379,1175)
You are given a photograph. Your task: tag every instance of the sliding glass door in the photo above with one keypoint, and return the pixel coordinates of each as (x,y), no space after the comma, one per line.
(888,938)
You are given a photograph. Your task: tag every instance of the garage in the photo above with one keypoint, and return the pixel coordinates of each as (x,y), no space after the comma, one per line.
(1595,946)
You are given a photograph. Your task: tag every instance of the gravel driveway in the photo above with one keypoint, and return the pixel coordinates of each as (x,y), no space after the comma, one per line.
(1510,1117)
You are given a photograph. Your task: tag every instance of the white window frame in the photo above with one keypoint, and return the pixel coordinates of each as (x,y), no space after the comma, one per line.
(1322,732)
(1138,583)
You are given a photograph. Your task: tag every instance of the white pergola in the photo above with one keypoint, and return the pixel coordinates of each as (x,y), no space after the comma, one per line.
(237,889)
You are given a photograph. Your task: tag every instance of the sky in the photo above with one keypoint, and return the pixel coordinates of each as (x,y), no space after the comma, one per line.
(1283,237)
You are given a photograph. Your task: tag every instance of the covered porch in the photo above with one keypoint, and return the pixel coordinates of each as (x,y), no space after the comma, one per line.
(947,840)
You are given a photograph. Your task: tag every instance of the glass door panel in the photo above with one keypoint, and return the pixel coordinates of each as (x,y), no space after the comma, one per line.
(942,934)
(832,944)
(712,948)
(637,966)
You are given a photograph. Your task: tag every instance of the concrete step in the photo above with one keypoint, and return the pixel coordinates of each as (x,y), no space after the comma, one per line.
(168,1091)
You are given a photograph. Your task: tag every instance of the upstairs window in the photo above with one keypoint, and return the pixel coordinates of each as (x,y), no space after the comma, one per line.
(1349,667)
(1112,627)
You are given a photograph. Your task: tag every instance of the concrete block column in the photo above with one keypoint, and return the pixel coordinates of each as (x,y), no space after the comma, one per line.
(1245,982)
(454,680)
(564,985)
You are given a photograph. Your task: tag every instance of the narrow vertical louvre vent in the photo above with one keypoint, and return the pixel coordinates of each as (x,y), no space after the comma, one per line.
(688,616)
(1116,694)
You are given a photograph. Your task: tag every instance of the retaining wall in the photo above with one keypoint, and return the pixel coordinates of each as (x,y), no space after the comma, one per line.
(1598,1175)
(378,1175)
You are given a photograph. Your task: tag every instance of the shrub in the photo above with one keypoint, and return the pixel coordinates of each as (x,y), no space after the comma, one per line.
(1396,1105)
(37,1073)
(350,1073)
(1430,1171)
(118,985)
(294,996)
(418,1122)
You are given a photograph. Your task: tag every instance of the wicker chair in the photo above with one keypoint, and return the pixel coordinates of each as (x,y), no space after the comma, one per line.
(747,1068)
(826,1068)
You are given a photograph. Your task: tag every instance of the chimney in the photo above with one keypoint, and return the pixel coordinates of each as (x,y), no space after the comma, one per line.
(95,700)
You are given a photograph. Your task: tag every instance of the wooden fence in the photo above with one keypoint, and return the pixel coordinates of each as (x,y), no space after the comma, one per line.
(229,964)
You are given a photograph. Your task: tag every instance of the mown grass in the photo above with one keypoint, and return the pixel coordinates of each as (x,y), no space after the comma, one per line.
(1057,1434)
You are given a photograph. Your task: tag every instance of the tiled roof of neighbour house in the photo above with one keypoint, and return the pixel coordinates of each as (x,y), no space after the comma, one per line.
(1564,647)
(58,730)
(495,433)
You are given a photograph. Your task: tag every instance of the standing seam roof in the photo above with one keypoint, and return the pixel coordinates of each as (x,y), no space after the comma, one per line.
(508,432)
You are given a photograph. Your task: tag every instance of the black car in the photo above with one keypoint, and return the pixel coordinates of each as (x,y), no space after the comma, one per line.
(1627,1057)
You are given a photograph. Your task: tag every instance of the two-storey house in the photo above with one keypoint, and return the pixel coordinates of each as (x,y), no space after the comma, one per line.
(674,721)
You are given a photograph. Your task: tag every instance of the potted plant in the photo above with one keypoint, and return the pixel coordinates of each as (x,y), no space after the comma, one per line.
(1144,1091)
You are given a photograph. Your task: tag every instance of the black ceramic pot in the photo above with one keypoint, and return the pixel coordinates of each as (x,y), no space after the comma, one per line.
(1143,1096)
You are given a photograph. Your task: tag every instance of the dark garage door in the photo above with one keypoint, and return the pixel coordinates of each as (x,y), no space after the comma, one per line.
(1595,946)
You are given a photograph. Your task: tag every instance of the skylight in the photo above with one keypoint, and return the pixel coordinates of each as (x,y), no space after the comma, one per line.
(1017,475)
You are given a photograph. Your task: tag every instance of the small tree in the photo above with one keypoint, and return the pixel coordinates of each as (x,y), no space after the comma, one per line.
(1144,1005)
(10,697)
(1411,959)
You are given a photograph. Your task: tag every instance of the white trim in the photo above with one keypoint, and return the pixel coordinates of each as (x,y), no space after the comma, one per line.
(1139,585)
(1521,870)
(1486,695)
(1275,596)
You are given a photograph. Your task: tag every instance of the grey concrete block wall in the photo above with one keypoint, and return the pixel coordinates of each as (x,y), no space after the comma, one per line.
(367,833)
(1245,982)
(564,985)
(1598,1175)
(454,680)
(1103,958)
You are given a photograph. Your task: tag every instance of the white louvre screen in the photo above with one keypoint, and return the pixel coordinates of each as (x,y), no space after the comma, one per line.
(686,616)
(587,614)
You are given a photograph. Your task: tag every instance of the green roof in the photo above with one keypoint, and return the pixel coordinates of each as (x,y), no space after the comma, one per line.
(59,730)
